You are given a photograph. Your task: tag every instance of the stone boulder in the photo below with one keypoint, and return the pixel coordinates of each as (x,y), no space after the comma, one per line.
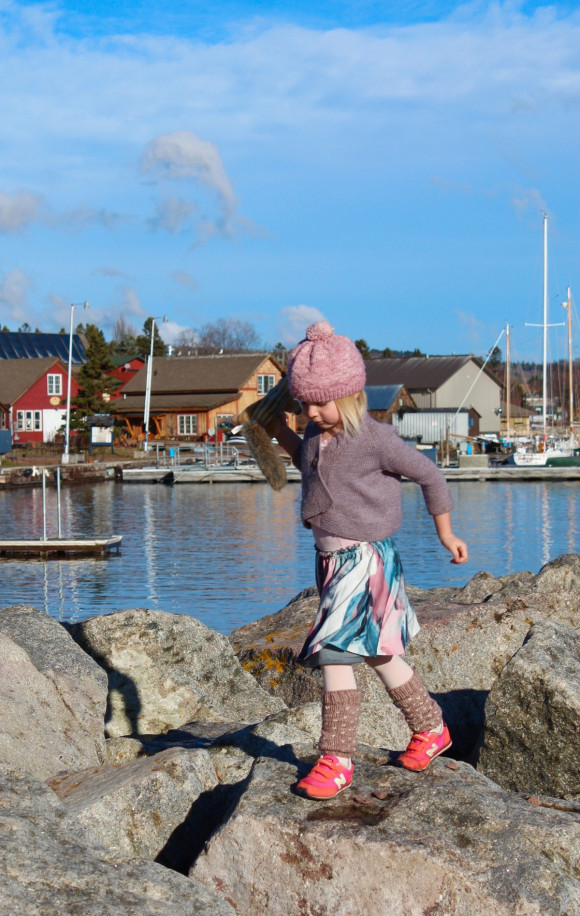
(531,739)
(166,669)
(53,696)
(134,808)
(466,638)
(448,841)
(50,865)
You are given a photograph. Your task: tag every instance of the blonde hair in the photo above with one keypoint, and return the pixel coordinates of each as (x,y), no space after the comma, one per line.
(352,409)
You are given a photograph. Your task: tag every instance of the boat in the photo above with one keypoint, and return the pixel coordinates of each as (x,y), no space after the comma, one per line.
(549,451)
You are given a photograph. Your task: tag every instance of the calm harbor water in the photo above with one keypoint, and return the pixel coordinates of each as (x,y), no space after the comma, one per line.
(228,554)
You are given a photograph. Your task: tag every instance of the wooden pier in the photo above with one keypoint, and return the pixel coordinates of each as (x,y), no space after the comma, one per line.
(54,548)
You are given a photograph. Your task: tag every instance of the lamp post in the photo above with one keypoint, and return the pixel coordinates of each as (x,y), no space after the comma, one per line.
(66,455)
(149,382)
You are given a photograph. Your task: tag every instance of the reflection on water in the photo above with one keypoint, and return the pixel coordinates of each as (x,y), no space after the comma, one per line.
(228,554)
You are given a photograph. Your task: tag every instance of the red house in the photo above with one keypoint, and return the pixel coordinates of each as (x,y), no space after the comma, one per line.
(33,398)
(125,369)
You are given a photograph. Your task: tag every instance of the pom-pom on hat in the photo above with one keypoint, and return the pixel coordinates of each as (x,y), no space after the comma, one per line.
(325,366)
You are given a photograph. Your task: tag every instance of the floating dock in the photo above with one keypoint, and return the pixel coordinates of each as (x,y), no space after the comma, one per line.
(59,547)
(178,475)
(185,474)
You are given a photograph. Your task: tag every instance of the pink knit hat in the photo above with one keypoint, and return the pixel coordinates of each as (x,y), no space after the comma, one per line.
(325,366)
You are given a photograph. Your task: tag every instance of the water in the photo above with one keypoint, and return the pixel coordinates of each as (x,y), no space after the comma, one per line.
(228,554)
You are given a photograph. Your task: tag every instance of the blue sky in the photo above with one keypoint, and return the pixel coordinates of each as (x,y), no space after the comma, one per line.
(384,165)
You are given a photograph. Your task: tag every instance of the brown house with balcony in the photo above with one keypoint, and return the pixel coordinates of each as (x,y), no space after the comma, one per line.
(191,397)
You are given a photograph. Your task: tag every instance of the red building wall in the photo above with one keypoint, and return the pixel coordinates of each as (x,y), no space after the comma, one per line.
(37,398)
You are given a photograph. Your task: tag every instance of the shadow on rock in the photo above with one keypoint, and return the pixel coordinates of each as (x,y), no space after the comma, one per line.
(464,713)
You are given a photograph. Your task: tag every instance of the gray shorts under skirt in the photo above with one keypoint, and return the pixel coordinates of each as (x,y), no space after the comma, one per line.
(328,655)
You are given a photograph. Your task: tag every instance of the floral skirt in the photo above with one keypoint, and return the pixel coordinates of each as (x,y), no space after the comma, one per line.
(363,608)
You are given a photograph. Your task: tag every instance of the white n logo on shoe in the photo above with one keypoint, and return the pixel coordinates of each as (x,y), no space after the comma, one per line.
(431,750)
(340,780)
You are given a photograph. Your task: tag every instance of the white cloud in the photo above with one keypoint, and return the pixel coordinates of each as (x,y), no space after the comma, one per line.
(18,210)
(172,212)
(182,155)
(112,272)
(528,200)
(14,289)
(132,303)
(294,319)
(183,278)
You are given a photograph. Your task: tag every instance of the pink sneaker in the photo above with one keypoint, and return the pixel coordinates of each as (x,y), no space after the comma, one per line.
(423,748)
(326,778)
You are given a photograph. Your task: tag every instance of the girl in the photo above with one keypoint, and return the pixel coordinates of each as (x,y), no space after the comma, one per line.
(351,499)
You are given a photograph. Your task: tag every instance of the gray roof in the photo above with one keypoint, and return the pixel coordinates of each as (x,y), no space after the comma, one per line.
(417,373)
(199,374)
(21,345)
(382,397)
(165,403)
(18,375)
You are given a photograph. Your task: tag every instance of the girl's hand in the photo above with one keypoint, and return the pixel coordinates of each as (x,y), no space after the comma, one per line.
(455,546)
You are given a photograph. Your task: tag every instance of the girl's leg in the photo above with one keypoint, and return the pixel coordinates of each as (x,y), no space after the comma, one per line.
(340,712)
(408,693)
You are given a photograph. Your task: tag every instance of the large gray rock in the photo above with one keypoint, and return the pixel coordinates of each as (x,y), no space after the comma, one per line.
(447,841)
(53,696)
(135,807)
(466,638)
(166,669)
(50,866)
(531,740)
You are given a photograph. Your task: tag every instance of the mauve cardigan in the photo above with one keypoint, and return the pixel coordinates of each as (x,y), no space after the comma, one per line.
(354,490)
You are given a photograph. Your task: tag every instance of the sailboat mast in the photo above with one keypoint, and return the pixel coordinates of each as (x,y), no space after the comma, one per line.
(568,305)
(507,380)
(545,347)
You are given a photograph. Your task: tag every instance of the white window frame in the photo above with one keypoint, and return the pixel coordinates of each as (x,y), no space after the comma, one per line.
(54,384)
(266,382)
(29,421)
(187,424)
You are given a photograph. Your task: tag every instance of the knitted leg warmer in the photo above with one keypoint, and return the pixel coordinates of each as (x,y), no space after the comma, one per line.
(421,712)
(340,712)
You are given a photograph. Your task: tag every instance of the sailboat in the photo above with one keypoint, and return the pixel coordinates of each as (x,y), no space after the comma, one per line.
(565,452)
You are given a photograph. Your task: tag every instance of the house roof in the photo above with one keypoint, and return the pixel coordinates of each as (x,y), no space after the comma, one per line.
(382,397)
(418,373)
(165,403)
(199,374)
(120,359)
(18,375)
(29,345)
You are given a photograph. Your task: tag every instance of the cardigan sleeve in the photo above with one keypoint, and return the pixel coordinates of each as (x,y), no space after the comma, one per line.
(404,461)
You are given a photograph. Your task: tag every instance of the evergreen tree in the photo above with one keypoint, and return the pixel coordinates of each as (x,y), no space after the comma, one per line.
(95,383)
(143,341)
(363,348)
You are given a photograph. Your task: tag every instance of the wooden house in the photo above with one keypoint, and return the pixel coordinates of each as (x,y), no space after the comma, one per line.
(192,397)
(443,382)
(33,398)
(386,400)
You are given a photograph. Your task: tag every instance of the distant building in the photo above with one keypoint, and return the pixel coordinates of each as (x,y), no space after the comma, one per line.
(443,382)
(33,398)
(192,396)
(386,400)
(32,345)
(126,368)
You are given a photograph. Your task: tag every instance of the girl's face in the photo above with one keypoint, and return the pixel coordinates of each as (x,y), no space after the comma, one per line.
(325,415)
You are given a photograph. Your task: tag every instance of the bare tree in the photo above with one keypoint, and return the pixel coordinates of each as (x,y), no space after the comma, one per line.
(228,335)
(123,330)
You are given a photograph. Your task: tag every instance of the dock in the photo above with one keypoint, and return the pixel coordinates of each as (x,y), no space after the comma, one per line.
(511,473)
(252,474)
(191,474)
(59,547)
